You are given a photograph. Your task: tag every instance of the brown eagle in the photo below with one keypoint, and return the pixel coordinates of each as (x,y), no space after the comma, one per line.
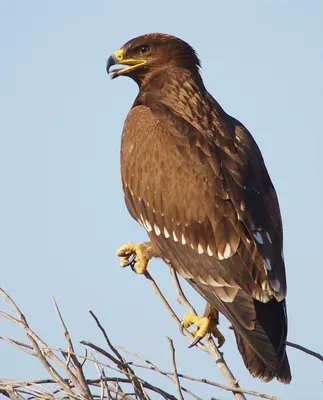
(195,179)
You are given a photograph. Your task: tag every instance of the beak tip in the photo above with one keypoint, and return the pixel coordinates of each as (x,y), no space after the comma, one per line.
(111,61)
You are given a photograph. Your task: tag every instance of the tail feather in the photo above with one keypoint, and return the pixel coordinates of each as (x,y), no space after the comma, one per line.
(258,366)
(268,336)
(283,372)
(260,330)
(255,365)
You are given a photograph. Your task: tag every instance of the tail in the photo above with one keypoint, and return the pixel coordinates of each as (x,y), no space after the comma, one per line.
(263,349)
(260,330)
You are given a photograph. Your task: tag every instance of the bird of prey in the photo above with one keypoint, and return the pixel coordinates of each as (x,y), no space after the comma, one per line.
(195,179)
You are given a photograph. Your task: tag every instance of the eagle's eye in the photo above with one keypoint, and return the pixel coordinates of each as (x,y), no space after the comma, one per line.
(145,49)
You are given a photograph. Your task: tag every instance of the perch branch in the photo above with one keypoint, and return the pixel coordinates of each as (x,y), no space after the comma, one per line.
(209,345)
(305,350)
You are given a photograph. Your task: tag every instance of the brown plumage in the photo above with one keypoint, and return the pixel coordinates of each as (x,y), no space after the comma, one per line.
(194,177)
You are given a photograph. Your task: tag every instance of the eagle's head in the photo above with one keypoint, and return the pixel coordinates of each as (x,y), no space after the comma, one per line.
(152,52)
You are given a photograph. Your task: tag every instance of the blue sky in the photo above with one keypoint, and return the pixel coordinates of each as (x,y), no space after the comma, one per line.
(62,211)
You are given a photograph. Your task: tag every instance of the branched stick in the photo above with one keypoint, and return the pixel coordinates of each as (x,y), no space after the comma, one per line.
(110,386)
(39,353)
(77,367)
(123,366)
(21,346)
(209,345)
(203,380)
(153,367)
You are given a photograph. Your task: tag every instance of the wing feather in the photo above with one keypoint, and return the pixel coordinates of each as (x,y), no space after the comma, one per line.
(205,190)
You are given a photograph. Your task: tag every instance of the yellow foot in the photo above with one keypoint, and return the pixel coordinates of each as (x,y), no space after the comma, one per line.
(204,325)
(139,260)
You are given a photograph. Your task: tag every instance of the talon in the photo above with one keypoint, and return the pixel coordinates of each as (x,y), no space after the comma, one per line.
(133,255)
(126,262)
(181,329)
(185,324)
(195,342)
(204,326)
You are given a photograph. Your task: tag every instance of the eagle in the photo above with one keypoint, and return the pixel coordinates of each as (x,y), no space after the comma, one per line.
(195,179)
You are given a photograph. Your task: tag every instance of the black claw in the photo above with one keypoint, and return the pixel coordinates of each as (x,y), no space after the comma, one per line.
(130,262)
(181,329)
(195,342)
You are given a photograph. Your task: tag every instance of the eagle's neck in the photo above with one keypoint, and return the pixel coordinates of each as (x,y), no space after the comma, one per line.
(171,86)
(163,81)
(183,93)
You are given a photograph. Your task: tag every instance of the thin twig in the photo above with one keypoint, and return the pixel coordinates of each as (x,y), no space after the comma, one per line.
(106,384)
(169,309)
(172,348)
(77,366)
(153,367)
(93,346)
(21,346)
(100,369)
(204,381)
(39,353)
(123,364)
(146,384)
(11,394)
(305,350)
(182,299)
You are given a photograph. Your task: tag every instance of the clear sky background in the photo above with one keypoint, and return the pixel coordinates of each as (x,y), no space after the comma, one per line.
(62,212)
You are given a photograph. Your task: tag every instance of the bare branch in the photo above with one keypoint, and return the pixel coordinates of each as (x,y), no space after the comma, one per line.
(305,350)
(77,367)
(75,385)
(11,394)
(169,309)
(21,346)
(151,366)
(172,348)
(182,299)
(123,365)
(209,345)
(39,353)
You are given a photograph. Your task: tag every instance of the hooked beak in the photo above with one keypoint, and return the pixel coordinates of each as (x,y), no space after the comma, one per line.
(117,58)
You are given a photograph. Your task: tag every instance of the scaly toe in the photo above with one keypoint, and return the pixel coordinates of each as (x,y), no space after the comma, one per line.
(140,265)
(202,326)
(132,255)
(126,262)
(127,250)
(221,340)
(216,333)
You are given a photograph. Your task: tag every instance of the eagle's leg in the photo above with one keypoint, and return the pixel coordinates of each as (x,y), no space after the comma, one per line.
(137,256)
(204,325)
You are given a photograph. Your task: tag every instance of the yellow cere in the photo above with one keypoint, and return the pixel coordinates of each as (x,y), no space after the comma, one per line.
(131,62)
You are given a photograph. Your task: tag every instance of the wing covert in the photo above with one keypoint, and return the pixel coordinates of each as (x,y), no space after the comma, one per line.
(203,191)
